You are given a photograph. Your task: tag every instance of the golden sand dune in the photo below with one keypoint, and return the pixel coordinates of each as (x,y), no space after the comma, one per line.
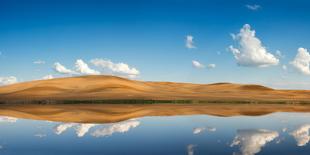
(89,88)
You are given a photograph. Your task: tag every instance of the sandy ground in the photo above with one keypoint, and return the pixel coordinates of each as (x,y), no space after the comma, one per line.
(101,87)
(104,113)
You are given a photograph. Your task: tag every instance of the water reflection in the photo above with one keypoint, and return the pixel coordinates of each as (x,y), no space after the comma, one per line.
(114,128)
(252,140)
(201,134)
(301,135)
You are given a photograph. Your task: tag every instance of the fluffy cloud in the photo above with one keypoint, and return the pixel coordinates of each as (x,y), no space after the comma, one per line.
(190,149)
(253,7)
(114,128)
(252,140)
(47,77)
(116,68)
(8,119)
(302,135)
(210,66)
(284,67)
(251,52)
(62,69)
(80,129)
(197,64)
(8,80)
(83,68)
(301,61)
(189,42)
(39,62)
(60,128)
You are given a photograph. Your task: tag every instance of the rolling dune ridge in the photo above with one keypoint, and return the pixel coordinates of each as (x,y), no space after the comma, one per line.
(102,87)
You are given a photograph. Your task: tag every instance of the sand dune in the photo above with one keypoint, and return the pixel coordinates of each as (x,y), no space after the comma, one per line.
(112,88)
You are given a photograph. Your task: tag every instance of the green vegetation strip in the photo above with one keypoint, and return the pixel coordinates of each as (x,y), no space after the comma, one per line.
(141,101)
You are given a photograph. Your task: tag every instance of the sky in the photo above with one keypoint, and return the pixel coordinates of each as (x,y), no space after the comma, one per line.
(241,41)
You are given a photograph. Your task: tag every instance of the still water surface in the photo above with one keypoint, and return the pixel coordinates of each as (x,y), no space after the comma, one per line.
(277,133)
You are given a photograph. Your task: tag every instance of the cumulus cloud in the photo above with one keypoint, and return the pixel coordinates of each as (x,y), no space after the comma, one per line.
(39,62)
(47,77)
(189,42)
(252,140)
(253,7)
(60,128)
(59,68)
(302,135)
(8,80)
(251,52)
(197,64)
(114,128)
(80,129)
(8,119)
(301,61)
(190,149)
(116,68)
(83,68)
(210,66)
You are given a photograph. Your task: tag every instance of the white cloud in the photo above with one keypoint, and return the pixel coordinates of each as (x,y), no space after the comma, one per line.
(39,62)
(190,149)
(47,77)
(62,69)
(8,80)
(114,128)
(82,129)
(253,7)
(60,128)
(197,64)
(252,140)
(117,68)
(8,119)
(83,68)
(210,66)
(302,135)
(301,61)
(251,52)
(189,43)
(284,67)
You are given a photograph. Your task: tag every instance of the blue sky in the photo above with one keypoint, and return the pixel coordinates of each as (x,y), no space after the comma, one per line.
(150,37)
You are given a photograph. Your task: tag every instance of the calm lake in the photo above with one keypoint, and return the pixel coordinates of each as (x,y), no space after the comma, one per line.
(277,133)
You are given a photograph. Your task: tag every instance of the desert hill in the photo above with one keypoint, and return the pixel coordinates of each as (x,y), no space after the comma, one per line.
(100,87)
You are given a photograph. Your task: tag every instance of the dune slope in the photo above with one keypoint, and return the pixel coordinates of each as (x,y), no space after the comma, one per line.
(101,87)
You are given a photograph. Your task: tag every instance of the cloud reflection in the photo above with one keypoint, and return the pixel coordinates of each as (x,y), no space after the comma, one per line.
(8,119)
(114,128)
(202,129)
(190,149)
(252,140)
(301,135)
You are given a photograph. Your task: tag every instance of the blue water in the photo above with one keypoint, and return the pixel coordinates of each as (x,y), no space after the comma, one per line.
(277,133)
